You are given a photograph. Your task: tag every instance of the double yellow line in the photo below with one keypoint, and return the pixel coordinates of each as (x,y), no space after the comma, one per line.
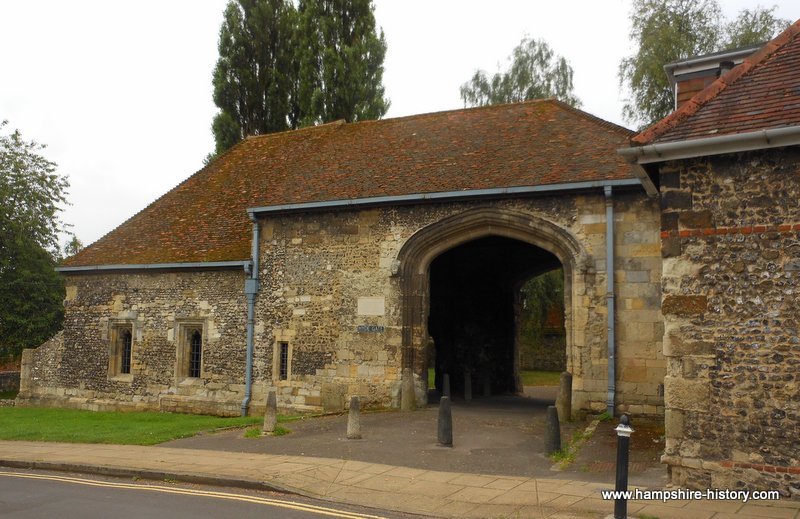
(321,510)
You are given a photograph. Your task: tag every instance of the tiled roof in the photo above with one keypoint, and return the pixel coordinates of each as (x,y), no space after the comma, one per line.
(525,144)
(761,93)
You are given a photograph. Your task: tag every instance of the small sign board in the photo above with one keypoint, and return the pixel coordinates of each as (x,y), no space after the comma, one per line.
(370,328)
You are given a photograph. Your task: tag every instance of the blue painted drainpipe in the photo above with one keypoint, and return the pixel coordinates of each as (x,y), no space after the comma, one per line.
(250,291)
(610,302)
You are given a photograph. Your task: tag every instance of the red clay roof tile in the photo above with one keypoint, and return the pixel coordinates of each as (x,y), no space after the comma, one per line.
(525,144)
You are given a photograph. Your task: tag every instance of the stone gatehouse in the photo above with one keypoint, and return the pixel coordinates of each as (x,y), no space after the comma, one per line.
(378,246)
(342,259)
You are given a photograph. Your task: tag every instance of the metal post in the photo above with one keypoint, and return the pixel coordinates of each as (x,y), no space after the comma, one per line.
(623,447)
(552,436)
(446,385)
(445,429)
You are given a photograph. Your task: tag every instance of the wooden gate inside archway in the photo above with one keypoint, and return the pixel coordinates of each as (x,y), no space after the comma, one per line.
(471,325)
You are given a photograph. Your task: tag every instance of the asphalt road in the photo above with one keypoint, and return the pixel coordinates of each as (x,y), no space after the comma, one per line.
(33,494)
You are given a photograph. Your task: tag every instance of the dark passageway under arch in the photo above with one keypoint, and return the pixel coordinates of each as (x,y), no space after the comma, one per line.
(474,295)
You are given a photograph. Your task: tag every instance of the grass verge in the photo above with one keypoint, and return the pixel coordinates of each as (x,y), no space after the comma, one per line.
(74,426)
(566,455)
(540,378)
(529,378)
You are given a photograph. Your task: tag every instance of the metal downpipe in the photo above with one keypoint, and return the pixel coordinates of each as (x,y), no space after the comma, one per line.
(250,291)
(610,302)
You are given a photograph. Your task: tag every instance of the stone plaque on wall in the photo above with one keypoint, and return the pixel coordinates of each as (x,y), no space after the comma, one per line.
(371,306)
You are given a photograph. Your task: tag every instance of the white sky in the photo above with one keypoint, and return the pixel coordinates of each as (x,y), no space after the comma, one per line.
(121,91)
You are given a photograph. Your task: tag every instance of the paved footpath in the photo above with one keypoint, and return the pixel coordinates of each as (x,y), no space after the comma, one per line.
(425,492)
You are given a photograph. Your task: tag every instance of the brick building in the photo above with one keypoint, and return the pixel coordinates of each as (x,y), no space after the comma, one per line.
(727,164)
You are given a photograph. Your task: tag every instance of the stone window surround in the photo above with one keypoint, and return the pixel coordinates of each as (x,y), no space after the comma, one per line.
(115,329)
(183,347)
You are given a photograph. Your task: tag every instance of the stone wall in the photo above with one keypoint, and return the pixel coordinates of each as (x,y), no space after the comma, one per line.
(329,290)
(330,314)
(545,354)
(731,248)
(73,369)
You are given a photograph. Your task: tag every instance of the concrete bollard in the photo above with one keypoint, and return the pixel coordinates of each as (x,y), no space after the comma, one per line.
(354,419)
(564,398)
(408,400)
(552,437)
(271,415)
(445,436)
(467,385)
(446,385)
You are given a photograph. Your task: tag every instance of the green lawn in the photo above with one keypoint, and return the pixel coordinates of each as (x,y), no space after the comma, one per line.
(68,425)
(540,378)
(529,378)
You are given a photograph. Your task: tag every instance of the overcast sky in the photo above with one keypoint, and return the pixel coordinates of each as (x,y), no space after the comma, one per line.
(121,91)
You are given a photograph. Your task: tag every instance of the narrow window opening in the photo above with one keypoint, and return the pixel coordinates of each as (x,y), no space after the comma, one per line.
(284,361)
(195,353)
(125,360)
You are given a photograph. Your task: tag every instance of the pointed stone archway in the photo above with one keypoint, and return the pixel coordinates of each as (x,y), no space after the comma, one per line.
(417,254)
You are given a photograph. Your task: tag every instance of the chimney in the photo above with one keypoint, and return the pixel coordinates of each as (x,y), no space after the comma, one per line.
(690,76)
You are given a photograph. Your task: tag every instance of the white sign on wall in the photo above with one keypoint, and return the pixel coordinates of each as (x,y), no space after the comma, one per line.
(371,306)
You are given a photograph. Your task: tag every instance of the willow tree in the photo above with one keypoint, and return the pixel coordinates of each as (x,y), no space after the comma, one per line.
(666,31)
(535,72)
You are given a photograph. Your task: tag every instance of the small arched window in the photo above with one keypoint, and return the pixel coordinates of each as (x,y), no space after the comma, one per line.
(195,353)
(125,352)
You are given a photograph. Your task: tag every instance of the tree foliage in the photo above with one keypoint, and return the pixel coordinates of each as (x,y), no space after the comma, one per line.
(540,294)
(31,292)
(672,30)
(535,72)
(281,67)
(341,62)
(252,77)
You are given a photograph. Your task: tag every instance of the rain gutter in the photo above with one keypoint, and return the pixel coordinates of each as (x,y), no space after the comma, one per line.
(444,196)
(610,302)
(250,291)
(157,266)
(756,140)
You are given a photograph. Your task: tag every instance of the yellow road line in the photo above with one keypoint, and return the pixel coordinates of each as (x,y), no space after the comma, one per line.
(204,493)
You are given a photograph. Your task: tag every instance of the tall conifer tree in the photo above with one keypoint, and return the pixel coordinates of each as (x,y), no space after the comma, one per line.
(341,62)
(253,76)
(282,67)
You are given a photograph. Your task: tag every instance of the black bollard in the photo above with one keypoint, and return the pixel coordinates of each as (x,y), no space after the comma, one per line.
(446,385)
(552,438)
(445,423)
(467,385)
(623,448)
